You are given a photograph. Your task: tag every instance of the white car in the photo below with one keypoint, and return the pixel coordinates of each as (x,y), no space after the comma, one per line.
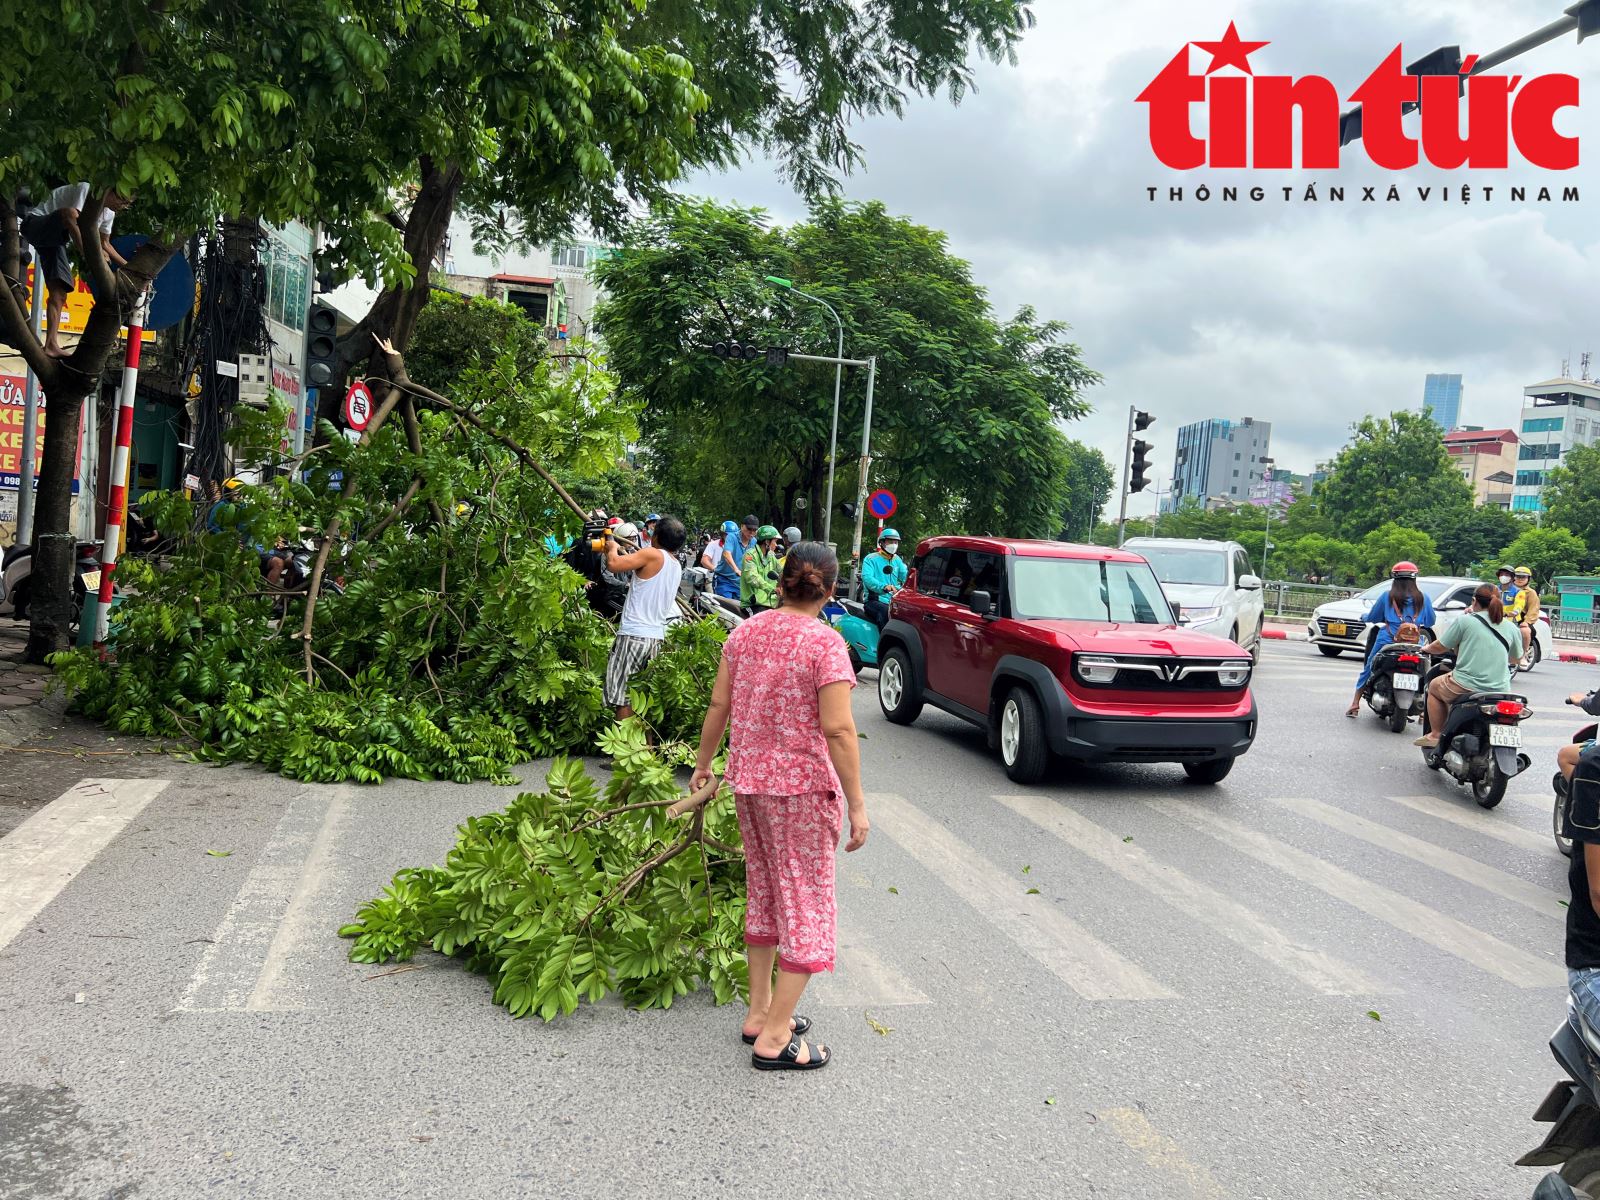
(1339,626)
(1210,583)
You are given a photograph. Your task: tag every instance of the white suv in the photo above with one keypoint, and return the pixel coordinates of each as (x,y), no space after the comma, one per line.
(1211,583)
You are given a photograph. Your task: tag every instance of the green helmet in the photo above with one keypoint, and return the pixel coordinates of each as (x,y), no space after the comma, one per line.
(765,532)
(889,535)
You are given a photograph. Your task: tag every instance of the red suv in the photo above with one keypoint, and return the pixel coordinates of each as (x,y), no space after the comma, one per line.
(1052,647)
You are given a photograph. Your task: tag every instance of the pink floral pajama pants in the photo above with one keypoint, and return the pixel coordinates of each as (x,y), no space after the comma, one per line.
(789,843)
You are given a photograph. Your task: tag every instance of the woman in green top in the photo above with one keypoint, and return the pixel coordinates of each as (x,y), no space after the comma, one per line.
(1486,645)
(758,582)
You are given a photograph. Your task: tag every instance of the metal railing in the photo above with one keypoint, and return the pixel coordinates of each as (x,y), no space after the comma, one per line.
(1285,598)
(1576,631)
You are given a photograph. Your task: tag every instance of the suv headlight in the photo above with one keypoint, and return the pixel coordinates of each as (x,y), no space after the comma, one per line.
(1199,616)
(1233,674)
(1096,668)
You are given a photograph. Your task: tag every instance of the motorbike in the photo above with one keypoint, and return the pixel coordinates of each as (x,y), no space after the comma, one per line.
(1394,686)
(1573,1114)
(860,635)
(698,599)
(16,580)
(1479,740)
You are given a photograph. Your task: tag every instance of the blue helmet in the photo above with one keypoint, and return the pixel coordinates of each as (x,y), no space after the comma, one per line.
(652,517)
(730,527)
(889,535)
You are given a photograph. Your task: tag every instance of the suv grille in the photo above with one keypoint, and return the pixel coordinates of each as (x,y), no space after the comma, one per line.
(1166,675)
(1352,629)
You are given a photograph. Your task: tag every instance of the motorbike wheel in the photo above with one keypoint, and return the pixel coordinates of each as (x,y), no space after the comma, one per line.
(1396,719)
(855,659)
(1491,789)
(1531,659)
(1559,817)
(1582,1171)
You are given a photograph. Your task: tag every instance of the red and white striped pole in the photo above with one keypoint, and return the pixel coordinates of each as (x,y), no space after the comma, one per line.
(117,508)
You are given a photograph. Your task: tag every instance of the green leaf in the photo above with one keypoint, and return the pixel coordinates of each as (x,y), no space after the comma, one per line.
(1049,1099)
(219,853)
(1374,1015)
(1129,838)
(1033,891)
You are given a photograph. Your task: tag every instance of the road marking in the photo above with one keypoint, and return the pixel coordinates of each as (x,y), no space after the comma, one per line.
(43,854)
(1053,940)
(861,979)
(1475,820)
(1160,1152)
(1442,932)
(1468,870)
(231,967)
(297,926)
(1323,972)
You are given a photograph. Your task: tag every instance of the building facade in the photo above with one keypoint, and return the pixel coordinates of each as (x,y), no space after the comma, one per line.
(1557,415)
(1487,459)
(1220,460)
(1442,394)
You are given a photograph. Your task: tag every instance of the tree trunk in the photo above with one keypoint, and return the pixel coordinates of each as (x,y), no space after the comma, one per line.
(394,314)
(65,382)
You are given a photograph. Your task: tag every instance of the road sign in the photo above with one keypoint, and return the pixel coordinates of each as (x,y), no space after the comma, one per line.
(357,406)
(882,504)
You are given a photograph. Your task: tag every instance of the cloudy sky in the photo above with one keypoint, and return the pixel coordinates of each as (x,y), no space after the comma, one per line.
(1307,315)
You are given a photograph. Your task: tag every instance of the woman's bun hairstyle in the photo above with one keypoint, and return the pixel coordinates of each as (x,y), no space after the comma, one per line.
(1488,598)
(809,572)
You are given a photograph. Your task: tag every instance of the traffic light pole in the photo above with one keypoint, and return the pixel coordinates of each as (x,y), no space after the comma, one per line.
(1127,465)
(861,486)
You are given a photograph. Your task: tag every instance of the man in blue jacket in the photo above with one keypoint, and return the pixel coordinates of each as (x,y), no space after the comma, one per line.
(883,573)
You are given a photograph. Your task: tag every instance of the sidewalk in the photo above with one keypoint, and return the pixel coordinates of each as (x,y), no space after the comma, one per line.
(22,685)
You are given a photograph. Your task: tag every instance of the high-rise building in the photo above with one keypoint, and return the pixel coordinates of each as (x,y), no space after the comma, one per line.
(1220,459)
(1557,415)
(1442,394)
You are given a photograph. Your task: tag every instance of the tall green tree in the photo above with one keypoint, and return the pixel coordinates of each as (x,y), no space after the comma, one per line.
(1390,543)
(1319,558)
(382,120)
(1088,487)
(1572,494)
(1547,552)
(1394,469)
(1466,536)
(966,405)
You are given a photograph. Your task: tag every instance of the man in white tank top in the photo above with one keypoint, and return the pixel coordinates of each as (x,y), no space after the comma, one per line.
(652,602)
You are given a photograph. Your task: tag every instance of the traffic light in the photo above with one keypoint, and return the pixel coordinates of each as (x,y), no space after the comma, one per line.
(1137,481)
(1142,421)
(322,345)
(848,508)
(775,356)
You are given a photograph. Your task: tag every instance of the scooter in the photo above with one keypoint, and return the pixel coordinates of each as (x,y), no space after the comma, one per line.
(1563,793)
(860,635)
(1572,1113)
(698,599)
(1394,686)
(16,580)
(1478,744)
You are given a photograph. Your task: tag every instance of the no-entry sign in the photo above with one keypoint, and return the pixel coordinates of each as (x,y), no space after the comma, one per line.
(882,504)
(357,406)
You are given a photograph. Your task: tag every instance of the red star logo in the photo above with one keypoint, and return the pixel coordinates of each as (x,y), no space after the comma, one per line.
(1230,51)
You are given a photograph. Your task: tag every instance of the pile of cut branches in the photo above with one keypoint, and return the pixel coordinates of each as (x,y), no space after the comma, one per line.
(577,891)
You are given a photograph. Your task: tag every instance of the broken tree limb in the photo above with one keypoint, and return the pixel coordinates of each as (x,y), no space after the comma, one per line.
(696,800)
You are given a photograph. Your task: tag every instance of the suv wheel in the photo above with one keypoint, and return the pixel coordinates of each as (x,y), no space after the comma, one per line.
(1213,771)
(1022,745)
(898,693)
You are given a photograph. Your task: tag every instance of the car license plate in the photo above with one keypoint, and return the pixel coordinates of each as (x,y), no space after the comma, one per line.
(1336,628)
(91,580)
(1505,735)
(1406,683)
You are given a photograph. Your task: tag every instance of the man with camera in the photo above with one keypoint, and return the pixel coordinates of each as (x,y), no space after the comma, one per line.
(651,603)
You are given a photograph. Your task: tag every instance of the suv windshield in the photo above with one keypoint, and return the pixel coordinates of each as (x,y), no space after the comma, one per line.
(1175,564)
(1070,589)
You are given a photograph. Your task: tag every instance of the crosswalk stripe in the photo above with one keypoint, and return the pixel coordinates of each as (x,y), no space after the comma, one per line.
(1445,809)
(1445,933)
(42,855)
(860,979)
(1468,870)
(1321,971)
(1038,927)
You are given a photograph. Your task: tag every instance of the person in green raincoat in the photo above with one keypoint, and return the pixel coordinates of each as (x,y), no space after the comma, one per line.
(758,583)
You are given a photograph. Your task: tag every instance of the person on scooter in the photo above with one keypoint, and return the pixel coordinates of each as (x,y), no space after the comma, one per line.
(1526,610)
(1486,648)
(1402,604)
(758,585)
(883,573)
(1582,825)
(736,543)
(1506,578)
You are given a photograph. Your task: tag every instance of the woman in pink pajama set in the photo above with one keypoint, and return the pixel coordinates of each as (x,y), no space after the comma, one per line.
(785,679)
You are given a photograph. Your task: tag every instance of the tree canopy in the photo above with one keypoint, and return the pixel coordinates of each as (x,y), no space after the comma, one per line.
(966,405)
(1394,469)
(1089,484)
(1546,552)
(1572,494)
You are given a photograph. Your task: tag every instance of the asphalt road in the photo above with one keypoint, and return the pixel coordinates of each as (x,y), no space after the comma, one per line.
(1183,1010)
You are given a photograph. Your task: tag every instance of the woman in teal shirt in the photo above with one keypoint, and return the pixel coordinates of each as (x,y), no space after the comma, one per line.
(1486,646)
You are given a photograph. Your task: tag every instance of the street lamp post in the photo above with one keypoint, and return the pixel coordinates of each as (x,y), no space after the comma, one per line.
(838,379)
(1266,538)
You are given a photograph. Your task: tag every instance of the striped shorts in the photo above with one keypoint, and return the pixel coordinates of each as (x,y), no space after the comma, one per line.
(629,654)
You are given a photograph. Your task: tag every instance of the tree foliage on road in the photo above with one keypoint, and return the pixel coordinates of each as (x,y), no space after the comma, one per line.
(380,120)
(965,407)
(1394,469)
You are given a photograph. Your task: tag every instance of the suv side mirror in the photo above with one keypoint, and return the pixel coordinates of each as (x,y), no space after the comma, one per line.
(981,603)
(1453,606)
(1251,583)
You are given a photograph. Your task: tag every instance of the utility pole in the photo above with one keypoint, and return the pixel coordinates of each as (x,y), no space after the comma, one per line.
(861,485)
(838,379)
(1133,466)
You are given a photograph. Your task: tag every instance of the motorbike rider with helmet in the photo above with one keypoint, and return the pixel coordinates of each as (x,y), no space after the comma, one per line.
(1525,610)
(1508,589)
(883,573)
(758,585)
(730,556)
(1403,604)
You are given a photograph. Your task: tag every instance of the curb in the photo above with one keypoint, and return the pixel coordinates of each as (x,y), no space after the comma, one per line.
(1578,656)
(1274,635)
